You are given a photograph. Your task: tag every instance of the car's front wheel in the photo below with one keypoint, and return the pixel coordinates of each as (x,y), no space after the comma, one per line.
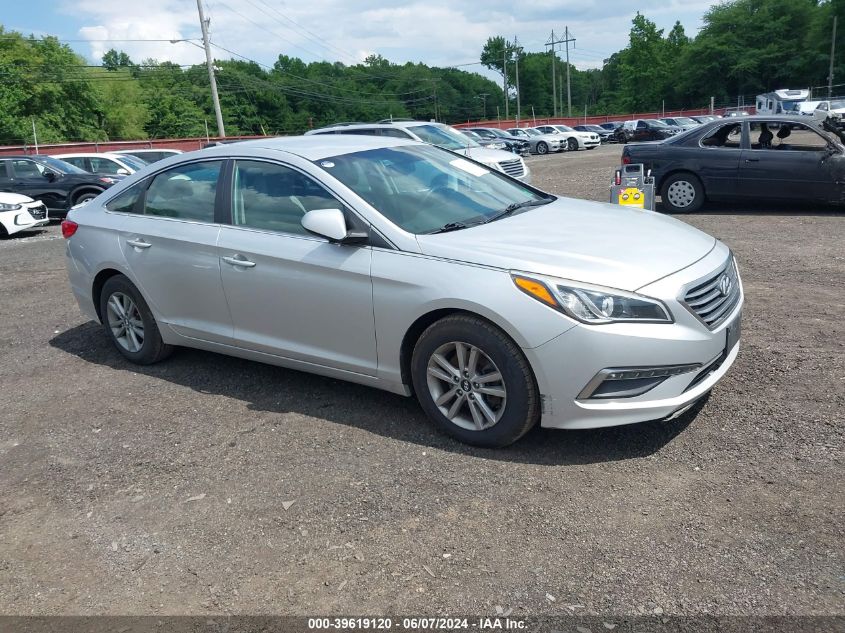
(573,144)
(542,148)
(85,196)
(682,193)
(129,323)
(474,382)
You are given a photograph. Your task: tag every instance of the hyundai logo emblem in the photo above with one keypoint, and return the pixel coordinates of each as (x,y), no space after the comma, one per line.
(725,285)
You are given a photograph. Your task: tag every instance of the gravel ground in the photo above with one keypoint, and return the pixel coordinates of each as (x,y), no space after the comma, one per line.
(209,485)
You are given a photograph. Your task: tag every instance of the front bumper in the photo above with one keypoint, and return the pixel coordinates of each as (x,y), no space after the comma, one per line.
(566,367)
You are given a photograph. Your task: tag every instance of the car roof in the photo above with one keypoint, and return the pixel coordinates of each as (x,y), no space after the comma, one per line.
(312,147)
(372,126)
(87,154)
(147,150)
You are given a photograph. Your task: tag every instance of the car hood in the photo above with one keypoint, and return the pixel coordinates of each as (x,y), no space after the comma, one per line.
(14,198)
(591,242)
(487,156)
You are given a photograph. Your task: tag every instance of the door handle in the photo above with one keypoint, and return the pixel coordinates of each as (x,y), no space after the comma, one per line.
(752,160)
(138,243)
(236,261)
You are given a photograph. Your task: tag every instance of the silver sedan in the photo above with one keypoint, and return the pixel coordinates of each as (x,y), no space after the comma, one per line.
(409,268)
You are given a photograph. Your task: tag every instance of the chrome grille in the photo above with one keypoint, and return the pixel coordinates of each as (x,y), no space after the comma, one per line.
(709,301)
(513,168)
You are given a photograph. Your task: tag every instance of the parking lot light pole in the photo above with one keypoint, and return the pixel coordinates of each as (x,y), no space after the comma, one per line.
(221,132)
(832,53)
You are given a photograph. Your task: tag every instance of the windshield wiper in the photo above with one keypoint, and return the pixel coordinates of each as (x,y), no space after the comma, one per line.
(516,206)
(450,226)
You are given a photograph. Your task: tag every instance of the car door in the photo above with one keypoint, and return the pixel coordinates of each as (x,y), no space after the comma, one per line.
(795,163)
(716,159)
(170,246)
(29,178)
(294,294)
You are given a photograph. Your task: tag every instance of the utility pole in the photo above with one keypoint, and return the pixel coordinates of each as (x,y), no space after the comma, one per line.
(552,43)
(832,53)
(483,96)
(505,77)
(518,107)
(34,135)
(567,39)
(209,62)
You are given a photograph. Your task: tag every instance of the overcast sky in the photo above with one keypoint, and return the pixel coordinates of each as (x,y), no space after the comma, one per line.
(436,32)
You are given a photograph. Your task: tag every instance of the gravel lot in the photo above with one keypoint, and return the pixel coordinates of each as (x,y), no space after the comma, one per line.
(209,485)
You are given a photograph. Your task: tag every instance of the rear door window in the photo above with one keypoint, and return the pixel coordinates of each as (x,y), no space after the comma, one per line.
(186,192)
(724,136)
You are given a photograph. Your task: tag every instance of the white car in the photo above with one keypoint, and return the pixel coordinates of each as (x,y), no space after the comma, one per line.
(825,109)
(575,140)
(19,213)
(104,163)
(439,135)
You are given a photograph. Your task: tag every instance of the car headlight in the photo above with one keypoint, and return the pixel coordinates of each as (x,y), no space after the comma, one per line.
(594,305)
(4,206)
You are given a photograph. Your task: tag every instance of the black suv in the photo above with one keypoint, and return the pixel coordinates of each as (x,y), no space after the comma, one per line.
(58,184)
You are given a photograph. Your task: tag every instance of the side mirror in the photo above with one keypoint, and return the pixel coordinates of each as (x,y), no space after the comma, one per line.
(122,172)
(331,224)
(49,175)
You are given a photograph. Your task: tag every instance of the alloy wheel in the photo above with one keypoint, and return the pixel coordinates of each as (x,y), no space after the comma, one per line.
(466,386)
(125,322)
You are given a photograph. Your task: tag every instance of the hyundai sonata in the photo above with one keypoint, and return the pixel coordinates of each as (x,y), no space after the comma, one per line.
(410,268)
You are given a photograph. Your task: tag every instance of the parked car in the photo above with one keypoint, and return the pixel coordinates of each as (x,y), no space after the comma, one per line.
(20,213)
(808,108)
(605,136)
(683,123)
(705,118)
(574,139)
(59,185)
(150,155)
(756,157)
(437,134)
(538,142)
(513,144)
(640,130)
(825,109)
(611,125)
(489,143)
(105,163)
(404,267)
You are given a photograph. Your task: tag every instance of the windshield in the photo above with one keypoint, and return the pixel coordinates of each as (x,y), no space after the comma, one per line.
(656,123)
(682,120)
(499,133)
(790,106)
(564,128)
(133,161)
(60,166)
(442,136)
(422,189)
(532,132)
(837,105)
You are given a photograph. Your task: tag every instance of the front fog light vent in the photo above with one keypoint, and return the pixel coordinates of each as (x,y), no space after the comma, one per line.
(627,382)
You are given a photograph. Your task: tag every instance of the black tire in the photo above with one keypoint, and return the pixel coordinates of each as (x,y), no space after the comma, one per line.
(85,196)
(572,143)
(685,185)
(521,408)
(153,348)
(542,148)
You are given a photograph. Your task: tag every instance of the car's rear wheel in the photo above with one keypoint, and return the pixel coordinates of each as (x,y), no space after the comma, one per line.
(682,193)
(130,324)
(474,382)
(542,148)
(572,143)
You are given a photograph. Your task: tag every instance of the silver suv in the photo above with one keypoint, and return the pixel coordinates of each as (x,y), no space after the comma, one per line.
(440,135)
